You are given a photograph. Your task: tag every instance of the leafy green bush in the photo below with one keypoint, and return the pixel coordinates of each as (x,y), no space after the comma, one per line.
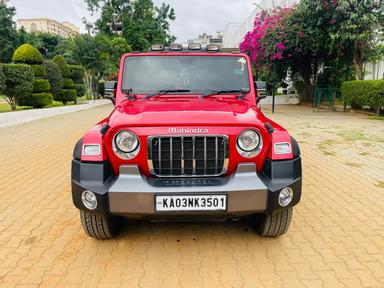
(101,88)
(41,85)
(36,100)
(364,93)
(77,73)
(66,96)
(39,71)
(80,89)
(67,83)
(2,79)
(63,66)
(27,54)
(18,82)
(54,77)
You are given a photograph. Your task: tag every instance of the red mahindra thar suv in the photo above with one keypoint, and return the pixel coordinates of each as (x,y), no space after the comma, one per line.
(185,139)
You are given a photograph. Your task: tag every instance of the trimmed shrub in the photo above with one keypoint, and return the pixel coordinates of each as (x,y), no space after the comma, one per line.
(363,93)
(63,66)
(67,96)
(37,100)
(77,73)
(2,79)
(27,54)
(80,89)
(101,88)
(41,85)
(39,71)
(54,77)
(18,82)
(67,83)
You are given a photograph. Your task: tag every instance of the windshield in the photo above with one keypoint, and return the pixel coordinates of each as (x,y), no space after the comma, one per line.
(198,74)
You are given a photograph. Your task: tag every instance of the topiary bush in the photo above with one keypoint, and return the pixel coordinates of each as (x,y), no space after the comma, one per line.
(67,96)
(54,77)
(37,100)
(67,83)
(77,73)
(18,82)
(80,89)
(41,85)
(63,66)
(39,71)
(30,55)
(363,93)
(27,54)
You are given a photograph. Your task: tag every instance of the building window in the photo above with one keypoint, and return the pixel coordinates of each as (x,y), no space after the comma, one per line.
(33,27)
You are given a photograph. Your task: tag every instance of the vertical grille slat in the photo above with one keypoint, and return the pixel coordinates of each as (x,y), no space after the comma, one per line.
(188,156)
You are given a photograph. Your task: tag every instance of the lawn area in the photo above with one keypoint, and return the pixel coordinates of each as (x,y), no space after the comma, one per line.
(5,107)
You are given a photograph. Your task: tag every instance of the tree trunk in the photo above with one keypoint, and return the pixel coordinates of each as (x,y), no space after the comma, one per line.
(358,62)
(378,110)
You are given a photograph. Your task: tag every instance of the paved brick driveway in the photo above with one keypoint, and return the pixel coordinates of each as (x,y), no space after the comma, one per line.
(336,238)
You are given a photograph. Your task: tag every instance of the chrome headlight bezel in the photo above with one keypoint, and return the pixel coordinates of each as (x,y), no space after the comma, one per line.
(254,151)
(126,155)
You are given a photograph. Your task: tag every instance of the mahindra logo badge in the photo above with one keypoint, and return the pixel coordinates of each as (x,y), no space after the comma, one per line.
(188,131)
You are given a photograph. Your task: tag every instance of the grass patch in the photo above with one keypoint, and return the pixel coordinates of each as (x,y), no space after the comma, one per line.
(376,117)
(380,184)
(353,135)
(324,147)
(352,164)
(364,154)
(5,107)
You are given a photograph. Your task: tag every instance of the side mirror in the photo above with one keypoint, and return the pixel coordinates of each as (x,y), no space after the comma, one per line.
(110,91)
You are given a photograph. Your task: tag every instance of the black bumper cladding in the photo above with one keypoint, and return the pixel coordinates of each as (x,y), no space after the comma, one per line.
(134,194)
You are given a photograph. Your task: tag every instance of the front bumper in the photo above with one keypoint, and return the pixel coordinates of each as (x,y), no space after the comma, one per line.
(133,194)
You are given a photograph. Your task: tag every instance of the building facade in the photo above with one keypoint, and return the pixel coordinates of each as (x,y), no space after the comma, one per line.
(234,33)
(206,39)
(47,25)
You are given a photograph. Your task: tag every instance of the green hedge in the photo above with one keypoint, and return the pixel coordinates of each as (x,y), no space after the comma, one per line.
(41,85)
(27,54)
(66,96)
(36,100)
(363,93)
(63,66)
(67,83)
(18,82)
(80,89)
(39,71)
(54,77)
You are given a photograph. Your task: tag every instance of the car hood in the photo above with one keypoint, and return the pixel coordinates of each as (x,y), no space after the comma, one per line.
(193,111)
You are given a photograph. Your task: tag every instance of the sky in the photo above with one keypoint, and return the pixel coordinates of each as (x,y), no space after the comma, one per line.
(192,17)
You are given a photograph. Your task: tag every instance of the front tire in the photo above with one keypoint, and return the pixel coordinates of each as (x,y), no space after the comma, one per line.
(273,224)
(99,226)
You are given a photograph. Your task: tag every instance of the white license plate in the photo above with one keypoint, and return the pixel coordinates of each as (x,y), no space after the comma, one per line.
(191,203)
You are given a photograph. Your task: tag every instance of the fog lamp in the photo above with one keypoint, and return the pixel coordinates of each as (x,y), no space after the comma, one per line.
(89,199)
(285,196)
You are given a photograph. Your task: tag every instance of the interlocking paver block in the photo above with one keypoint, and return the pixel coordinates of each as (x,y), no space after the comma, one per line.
(336,238)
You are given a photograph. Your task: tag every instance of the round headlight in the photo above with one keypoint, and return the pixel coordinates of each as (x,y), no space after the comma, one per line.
(126,141)
(249,143)
(248,140)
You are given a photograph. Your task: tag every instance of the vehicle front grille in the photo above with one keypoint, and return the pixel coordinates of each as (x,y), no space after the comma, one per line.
(188,156)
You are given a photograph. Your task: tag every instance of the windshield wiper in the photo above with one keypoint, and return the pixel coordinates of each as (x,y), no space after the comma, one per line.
(164,92)
(220,92)
(128,95)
